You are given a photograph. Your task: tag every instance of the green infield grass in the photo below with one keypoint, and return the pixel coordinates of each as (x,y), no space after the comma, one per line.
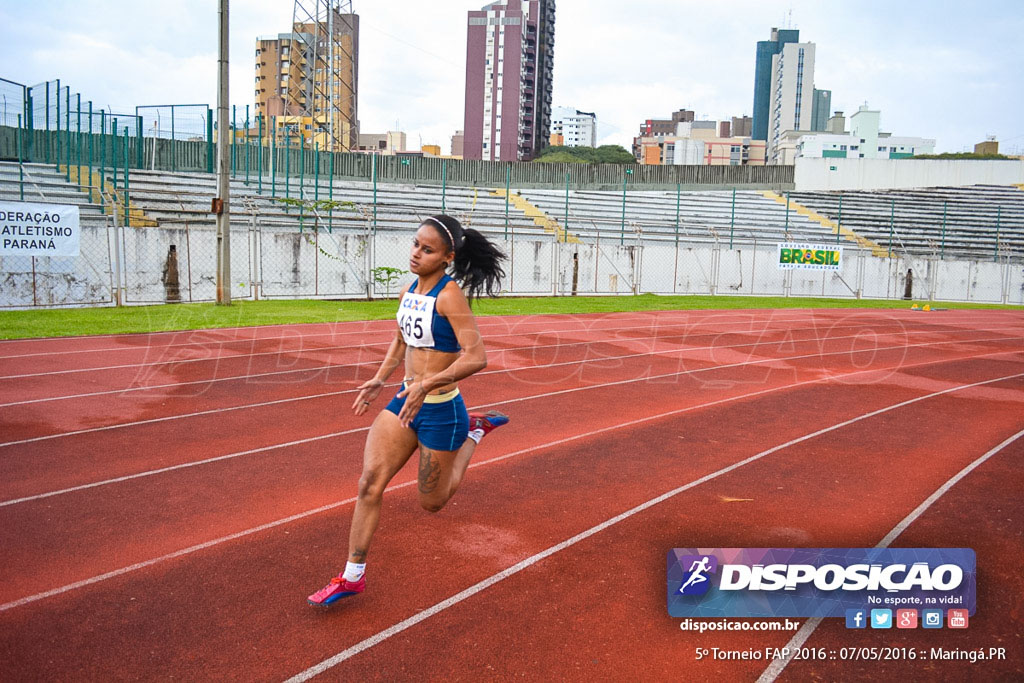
(128,319)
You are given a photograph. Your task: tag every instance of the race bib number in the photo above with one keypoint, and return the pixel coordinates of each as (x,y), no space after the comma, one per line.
(415,314)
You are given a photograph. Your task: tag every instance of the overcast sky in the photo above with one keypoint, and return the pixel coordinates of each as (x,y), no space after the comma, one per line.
(945,70)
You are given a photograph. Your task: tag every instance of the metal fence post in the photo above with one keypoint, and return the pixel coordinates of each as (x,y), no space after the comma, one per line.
(566,226)
(67,139)
(942,248)
(995,250)
(46,126)
(90,149)
(732,218)
(78,140)
(209,138)
(174,147)
(103,151)
(259,155)
(113,155)
(273,159)
(287,162)
(373,174)
(140,149)
(508,183)
(444,183)
(622,226)
(892,223)
(679,188)
(839,225)
(247,144)
(330,195)
(56,122)
(21,170)
(234,128)
(127,215)
(787,216)
(30,126)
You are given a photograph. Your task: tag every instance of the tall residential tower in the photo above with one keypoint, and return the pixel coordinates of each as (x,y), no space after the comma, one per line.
(509,66)
(766,50)
(791,101)
(307,80)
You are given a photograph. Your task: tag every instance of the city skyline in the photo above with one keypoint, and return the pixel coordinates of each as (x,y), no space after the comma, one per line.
(936,70)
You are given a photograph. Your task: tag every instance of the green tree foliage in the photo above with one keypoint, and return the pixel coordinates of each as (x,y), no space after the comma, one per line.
(605,154)
(961,155)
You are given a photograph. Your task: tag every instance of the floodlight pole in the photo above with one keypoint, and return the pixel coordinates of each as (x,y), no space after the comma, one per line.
(221,203)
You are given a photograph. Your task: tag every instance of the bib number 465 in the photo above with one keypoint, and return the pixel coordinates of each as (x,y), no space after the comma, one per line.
(412,326)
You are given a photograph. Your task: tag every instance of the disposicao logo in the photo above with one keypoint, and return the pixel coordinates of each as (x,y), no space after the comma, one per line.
(821,582)
(696,580)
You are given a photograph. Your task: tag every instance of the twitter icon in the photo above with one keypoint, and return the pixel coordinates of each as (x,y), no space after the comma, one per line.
(881,618)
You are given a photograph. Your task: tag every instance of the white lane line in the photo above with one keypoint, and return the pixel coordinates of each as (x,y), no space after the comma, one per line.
(531,397)
(381,636)
(801,636)
(585,324)
(338,366)
(301,515)
(486,372)
(389,332)
(352,323)
(491,338)
(386,327)
(953,316)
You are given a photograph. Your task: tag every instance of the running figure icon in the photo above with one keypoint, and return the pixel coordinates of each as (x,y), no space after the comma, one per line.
(697,571)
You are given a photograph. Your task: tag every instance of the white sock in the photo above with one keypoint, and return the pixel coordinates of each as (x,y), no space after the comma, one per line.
(353,571)
(476,435)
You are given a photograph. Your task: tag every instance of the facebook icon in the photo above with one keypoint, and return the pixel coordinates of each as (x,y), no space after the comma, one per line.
(856,618)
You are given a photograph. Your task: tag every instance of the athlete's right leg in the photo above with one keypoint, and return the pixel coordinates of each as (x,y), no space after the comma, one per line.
(388,447)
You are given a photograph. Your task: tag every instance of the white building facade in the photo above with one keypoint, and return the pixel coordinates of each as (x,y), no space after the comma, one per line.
(791,101)
(577,128)
(864,141)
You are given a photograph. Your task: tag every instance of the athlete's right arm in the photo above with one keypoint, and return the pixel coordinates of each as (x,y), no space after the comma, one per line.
(370,389)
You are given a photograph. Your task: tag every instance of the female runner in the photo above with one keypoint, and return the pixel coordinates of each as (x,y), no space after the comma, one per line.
(434,324)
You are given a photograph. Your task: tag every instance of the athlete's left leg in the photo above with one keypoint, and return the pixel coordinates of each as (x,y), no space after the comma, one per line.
(440,473)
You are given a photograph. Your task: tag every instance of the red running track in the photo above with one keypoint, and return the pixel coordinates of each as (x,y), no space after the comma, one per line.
(168,500)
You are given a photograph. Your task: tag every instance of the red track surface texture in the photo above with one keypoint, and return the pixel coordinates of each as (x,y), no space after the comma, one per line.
(167,501)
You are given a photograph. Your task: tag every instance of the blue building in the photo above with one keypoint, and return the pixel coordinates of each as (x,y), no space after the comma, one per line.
(766,49)
(820,109)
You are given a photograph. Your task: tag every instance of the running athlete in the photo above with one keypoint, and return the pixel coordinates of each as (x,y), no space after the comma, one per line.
(440,342)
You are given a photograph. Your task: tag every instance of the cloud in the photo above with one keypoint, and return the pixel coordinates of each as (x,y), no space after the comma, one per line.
(935,69)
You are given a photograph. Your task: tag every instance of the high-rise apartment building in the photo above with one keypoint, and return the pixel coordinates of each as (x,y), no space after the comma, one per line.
(766,51)
(576,128)
(822,106)
(457,143)
(293,80)
(742,126)
(792,93)
(509,67)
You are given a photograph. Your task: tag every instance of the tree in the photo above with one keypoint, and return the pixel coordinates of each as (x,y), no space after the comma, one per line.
(605,154)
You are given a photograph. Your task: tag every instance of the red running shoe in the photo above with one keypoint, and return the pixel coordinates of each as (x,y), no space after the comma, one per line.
(338,588)
(487,422)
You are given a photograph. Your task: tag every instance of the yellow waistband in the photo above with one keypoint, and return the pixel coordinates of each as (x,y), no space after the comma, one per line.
(438,398)
(441,398)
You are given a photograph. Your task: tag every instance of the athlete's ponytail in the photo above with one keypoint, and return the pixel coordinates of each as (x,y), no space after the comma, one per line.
(477,264)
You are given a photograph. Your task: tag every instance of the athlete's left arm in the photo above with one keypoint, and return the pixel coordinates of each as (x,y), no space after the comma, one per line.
(452,304)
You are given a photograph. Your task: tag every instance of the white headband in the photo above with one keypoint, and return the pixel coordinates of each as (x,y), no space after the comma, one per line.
(443,227)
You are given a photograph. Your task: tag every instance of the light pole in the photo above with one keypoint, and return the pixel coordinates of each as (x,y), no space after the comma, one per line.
(622,228)
(222,203)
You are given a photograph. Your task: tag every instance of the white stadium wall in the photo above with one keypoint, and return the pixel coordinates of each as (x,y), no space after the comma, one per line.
(889,174)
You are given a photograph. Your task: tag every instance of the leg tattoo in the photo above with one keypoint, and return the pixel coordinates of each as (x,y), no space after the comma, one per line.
(430,471)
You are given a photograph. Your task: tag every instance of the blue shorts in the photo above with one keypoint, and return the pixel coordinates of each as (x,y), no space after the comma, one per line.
(442,426)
